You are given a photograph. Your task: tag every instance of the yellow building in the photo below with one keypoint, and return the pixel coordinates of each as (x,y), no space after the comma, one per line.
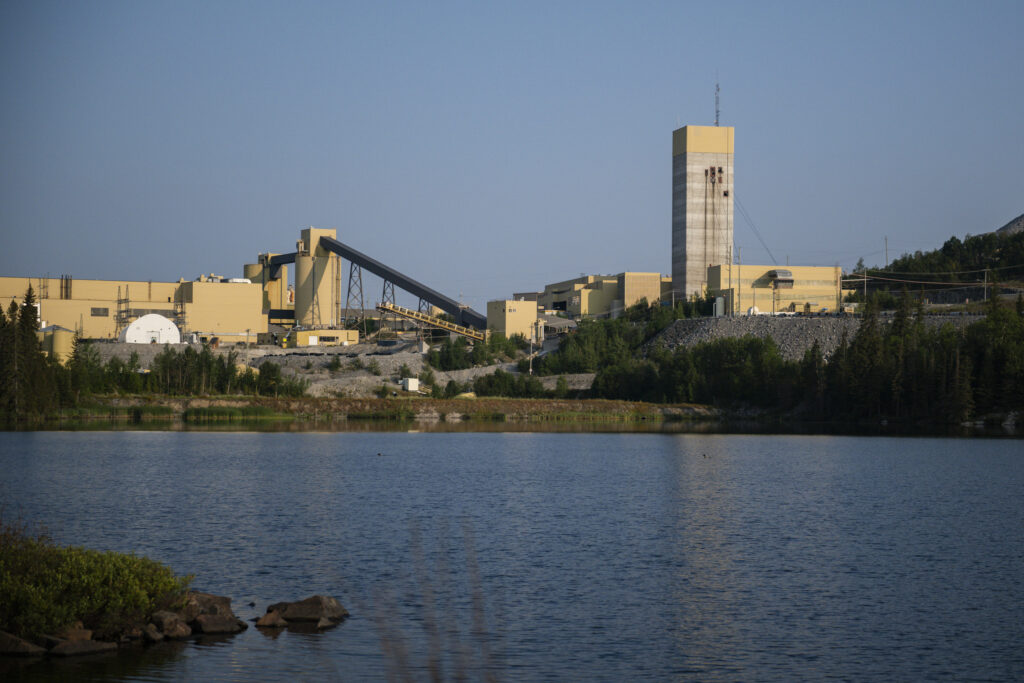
(274,281)
(602,295)
(321,337)
(773,289)
(57,342)
(510,318)
(702,204)
(99,309)
(317,281)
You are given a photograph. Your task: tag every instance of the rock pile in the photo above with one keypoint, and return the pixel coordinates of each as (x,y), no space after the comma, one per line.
(793,335)
(203,613)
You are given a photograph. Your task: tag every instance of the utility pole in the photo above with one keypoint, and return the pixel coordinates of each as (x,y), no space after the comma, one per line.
(887,251)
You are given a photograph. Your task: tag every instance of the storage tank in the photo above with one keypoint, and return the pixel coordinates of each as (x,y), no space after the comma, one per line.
(304,289)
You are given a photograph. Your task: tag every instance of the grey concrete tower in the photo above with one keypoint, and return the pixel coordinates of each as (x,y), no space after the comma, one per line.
(702,209)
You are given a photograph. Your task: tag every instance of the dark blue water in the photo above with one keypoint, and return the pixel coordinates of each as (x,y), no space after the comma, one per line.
(557,556)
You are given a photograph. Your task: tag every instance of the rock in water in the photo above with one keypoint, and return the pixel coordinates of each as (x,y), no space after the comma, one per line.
(272,620)
(16,647)
(312,609)
(218,623)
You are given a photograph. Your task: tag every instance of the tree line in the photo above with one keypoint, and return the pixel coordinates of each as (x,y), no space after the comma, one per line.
(961,260)
(903,370)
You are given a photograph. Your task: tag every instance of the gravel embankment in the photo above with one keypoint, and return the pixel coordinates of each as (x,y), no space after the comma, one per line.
(793,334)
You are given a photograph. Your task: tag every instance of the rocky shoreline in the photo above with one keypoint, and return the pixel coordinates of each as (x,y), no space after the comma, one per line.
(201,614)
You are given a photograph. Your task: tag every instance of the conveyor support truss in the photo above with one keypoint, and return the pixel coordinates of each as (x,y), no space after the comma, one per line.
(433,321)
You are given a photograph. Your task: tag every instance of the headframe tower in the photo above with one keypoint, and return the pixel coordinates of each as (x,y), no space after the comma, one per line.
(702,205)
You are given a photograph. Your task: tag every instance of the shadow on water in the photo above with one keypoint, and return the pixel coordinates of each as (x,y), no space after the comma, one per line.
(153,661)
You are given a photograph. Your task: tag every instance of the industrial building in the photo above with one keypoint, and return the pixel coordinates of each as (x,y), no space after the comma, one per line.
(702,205)
(751,289)
(237,310)
(510,318)
(264,306)
(211,306)
(600,296)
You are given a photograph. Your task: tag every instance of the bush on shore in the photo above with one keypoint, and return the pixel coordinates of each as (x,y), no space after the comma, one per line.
(45,588)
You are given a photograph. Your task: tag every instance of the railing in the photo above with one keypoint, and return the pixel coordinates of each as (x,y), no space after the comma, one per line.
(433,321)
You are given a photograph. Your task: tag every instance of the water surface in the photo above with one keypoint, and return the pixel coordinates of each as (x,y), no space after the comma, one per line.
(557,556)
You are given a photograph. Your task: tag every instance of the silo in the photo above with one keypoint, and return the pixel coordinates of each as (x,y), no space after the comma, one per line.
(304,288)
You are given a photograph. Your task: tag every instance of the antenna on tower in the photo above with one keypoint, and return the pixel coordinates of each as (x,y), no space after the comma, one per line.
(716,103)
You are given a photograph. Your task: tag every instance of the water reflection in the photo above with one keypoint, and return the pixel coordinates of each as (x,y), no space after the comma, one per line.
(597,556)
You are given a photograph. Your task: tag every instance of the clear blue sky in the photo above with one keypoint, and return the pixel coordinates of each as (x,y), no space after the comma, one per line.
(487,148)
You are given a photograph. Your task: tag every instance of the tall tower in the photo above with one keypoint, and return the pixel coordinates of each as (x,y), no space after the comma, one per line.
(702,166)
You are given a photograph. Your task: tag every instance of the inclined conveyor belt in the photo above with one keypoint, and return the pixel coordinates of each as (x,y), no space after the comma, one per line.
(463,315)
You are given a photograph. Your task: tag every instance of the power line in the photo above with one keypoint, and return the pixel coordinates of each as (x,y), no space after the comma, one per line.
(750,222)
(946,272)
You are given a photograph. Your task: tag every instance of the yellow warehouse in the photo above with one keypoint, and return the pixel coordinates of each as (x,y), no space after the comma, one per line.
(749,289)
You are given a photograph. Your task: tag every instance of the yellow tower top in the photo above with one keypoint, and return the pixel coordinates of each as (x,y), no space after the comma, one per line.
(707,139)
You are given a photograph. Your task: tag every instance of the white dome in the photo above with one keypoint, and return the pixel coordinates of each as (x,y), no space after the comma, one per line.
(151,329)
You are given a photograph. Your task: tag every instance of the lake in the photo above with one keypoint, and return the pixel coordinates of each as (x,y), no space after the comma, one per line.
(555,556)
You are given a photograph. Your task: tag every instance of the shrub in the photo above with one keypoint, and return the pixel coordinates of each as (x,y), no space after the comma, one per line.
(374,367)
(334,365)
(45,587)
(404,371)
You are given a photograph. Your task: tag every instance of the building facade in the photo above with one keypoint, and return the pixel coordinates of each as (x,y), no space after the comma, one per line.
(702,205)
(510,318)
(602,296)
(751,289)
(100,309)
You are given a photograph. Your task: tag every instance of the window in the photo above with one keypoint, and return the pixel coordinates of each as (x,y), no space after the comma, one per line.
(100,312)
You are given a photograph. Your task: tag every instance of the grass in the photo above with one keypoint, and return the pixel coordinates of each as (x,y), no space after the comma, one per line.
(232,413)
(45,587)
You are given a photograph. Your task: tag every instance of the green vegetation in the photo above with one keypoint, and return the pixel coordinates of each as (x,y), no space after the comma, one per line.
(31,383)
(598,344)
(374,367)
(231,413)
(460,354)
(900,371)
(45,588)
(335,364)
(976,259)
(955,260)
(503,383)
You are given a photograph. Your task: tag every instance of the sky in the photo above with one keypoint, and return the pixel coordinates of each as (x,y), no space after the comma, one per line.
(486,148)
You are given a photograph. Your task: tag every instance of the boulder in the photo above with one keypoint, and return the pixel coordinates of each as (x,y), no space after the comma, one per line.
(197,603)
(75,634)
(218,623)
(312,609)
(171,624)
(151,634)
(14,646)
(272,620)
(73,648)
